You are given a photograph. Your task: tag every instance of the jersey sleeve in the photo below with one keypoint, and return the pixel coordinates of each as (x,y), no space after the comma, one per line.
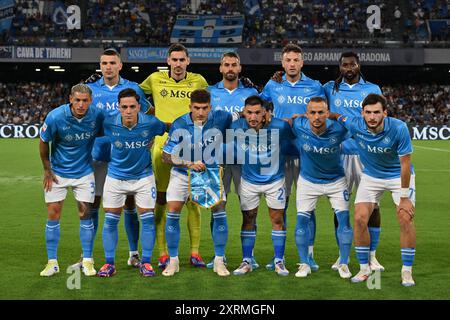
(48,130)
(348,122)
(265,93)
(160,127)
(286,131)
(142,99)
(146,85)
(404,145)
(173,139)
(203,83)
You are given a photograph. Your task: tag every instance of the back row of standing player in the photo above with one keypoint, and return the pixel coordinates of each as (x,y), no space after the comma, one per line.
(289,96)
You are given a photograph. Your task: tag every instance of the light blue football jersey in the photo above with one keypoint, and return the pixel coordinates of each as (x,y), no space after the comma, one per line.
(320,155)
(348,101)
(130,156)
(106,99)
(289,99)
(379,153)
(71,140)
(231,101)
(260,151)
(200,142)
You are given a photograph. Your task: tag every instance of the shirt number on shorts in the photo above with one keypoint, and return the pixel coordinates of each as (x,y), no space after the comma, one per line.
(92,187)
(411,192)
(281,194)
(346,195)
(154,193)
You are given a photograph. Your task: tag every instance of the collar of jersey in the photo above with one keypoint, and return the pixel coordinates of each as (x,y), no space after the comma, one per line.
(361,81)
(221,86)
(303,78)
(102,81)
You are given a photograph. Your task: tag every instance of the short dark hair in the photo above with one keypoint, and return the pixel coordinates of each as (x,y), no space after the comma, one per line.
(200,96)
(374,98)
(111,52)
(177,47)
(290,47)
(125,93)
(230,54)
(253,101)
(319,100)
(349,54)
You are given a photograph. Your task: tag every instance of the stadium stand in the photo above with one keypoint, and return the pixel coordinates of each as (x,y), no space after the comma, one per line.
(271,23)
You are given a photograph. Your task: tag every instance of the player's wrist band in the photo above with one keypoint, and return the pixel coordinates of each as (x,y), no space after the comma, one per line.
(404,193)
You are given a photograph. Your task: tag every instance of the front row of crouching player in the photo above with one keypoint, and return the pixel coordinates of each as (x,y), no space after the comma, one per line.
(194,150)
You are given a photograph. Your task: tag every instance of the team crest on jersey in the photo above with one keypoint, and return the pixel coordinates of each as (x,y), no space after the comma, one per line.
(99,105)
(307,147)
(68,138)
(338,102)
(363,93)
(307,90)
(281,99)
(163,93)
(190,84)
(144,133)
(118,144)
(386,140)
(92,124)
(333,140)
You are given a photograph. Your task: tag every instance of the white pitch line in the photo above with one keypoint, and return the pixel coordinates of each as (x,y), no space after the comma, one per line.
(430,170)
(434,149)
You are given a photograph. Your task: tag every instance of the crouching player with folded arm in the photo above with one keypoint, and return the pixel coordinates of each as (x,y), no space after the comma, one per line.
(130,173)
(190,138)
(321,174)
(385,148)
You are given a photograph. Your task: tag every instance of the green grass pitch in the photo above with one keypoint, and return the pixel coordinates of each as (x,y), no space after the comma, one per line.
(23,255)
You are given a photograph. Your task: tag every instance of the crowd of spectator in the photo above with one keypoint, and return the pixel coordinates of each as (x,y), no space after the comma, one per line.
(275,22)
(418,104)
(30,102)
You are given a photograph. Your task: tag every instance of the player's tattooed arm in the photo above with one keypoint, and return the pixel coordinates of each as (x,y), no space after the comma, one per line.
(49,176)
(277,76)
(178,162)
(334,116)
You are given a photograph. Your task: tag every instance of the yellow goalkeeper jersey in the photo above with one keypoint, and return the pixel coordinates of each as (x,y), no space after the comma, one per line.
(171,98)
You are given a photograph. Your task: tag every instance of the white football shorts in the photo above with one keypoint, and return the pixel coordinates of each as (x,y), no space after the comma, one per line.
(371,189)
(178,189)
(251,193)
(308,193)
(352,169)
(83,189)
(116,192)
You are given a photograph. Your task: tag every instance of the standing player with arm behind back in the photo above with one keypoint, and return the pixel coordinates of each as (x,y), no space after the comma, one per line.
(70,131)
(170,93)
(385,148)
(345,96)
(289,97)
(104,93)
(229,95)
